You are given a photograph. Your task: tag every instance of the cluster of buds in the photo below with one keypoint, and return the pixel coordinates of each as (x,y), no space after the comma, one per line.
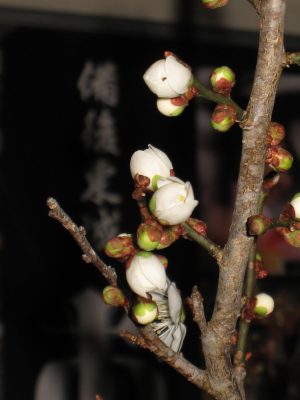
(173,200)
(172,82)
(277,158)
(222,81)
(213,4)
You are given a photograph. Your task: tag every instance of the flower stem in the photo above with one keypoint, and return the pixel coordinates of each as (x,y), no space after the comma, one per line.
(218,98)
(213,249)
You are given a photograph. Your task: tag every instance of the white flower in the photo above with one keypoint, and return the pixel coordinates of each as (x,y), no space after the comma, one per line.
(166,107)
(173,203)
(152,163)
(168,77)
(296,205)
(264,304)
(146,273)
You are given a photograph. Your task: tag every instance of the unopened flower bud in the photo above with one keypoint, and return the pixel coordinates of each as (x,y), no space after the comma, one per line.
(145,312)
(264,305)
(169,77)
(120,246)
(113,296)
(198,226)
(258,225)
(295,203)
(279,159)
(212,4)
(168,237)
(148,236)
(222,80)
(276,133)
(144,273)
(223,117)
(291,237)
(168,108)
(173,203)
(152,163)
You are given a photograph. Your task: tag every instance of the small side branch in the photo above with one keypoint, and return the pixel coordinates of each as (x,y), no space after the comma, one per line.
(195,302)
(255,4)
(213,249)
(291,59)
(79,234)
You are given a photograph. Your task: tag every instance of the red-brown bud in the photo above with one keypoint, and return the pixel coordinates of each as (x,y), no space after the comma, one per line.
(291,237)
(279,159)
(258,225)
(198,226)
(222,80)
(113,296)
(149,235)
(120,247)
(223,117)
(276,133)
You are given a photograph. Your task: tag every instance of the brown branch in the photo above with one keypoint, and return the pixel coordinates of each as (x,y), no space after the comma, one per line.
(216,340)
(147,339)
(79,234)
(195,302)
(256,4)
(150,341)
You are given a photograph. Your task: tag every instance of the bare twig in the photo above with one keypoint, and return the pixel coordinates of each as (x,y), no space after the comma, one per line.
(79,234)
(256,4)
(195,302)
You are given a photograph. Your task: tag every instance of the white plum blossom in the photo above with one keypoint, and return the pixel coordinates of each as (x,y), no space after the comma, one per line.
(145,273)
(296,205)
(168,78)
(264,304)
(166,107)
(169,323)
(174,202)
(152,163)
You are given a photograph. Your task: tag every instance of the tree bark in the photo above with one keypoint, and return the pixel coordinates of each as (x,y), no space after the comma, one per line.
(216,339)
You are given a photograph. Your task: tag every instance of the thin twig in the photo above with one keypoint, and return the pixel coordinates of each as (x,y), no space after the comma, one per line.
(79,234)
(213,249)
(255,4)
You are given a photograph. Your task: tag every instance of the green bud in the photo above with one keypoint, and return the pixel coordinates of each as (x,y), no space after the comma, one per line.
(223,117)
(145,312)
(113,296)
(222,80)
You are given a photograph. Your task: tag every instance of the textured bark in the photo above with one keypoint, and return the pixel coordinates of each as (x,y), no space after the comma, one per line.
(216,339)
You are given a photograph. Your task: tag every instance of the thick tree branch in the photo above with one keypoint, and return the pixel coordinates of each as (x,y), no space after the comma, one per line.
(216,343)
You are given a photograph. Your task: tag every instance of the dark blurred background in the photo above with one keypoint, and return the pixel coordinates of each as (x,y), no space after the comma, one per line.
(74,108)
